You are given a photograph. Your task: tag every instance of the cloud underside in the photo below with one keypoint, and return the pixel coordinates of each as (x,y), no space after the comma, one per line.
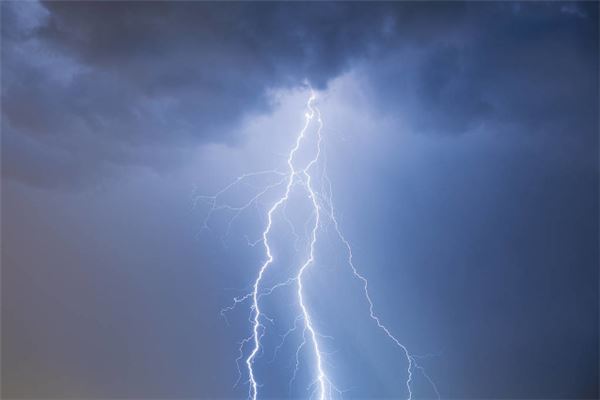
(89,88)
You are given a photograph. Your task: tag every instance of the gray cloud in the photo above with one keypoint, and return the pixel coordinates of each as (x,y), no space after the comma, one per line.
(90,84)
(529,67)
(89,87)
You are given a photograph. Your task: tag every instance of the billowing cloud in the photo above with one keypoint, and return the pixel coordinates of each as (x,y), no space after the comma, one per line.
(89,87)
(526,66)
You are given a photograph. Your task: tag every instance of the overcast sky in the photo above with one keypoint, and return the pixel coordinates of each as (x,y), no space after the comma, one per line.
(461,140)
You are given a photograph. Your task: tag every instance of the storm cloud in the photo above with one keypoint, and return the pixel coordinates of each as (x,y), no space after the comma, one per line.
(461,139)
(88,88)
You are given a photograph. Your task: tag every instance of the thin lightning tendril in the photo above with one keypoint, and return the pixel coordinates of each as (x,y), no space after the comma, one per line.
(322,205)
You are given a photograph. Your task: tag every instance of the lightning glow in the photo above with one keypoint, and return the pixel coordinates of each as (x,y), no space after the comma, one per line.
(322,208)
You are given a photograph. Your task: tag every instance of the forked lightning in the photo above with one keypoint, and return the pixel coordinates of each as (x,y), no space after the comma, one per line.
(322,207)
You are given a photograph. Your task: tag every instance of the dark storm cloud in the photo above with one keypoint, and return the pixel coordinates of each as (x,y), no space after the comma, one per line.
(528,67)
(88,87)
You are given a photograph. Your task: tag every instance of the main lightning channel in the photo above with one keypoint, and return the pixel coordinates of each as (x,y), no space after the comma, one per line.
(322,379)
(269,260)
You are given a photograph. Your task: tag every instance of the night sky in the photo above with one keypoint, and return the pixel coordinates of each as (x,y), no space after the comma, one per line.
(462,147)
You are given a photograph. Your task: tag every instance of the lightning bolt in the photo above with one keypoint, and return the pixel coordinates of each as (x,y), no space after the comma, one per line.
(257,325)
(322,208)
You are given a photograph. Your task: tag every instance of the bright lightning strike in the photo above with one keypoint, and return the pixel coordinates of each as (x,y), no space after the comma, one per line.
(322,207)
